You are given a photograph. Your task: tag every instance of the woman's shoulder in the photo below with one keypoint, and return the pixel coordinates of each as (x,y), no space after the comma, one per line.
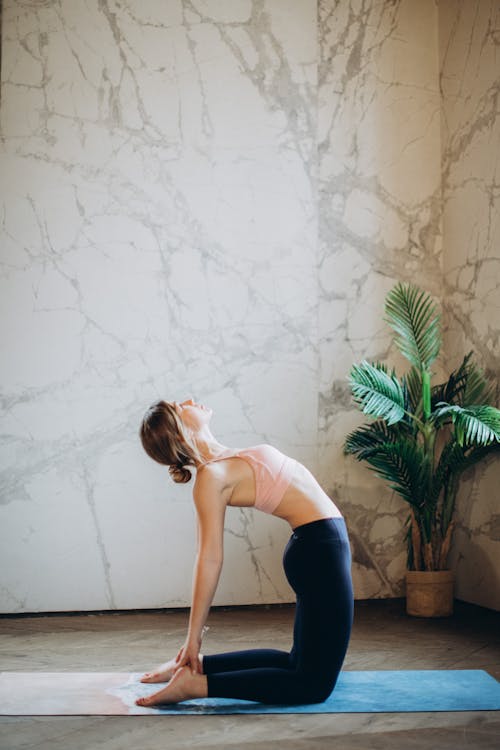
(211,481)
(209,472)
(259,448)
(266,450)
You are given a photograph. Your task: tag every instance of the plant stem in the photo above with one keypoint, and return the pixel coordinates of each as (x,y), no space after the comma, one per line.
(426,394)
(429,434)
(417,421)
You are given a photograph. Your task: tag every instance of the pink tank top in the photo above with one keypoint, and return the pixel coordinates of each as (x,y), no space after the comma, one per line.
(273,473)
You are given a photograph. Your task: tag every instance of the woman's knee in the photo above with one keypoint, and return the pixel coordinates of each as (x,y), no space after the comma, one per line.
(311,688)
(315,694)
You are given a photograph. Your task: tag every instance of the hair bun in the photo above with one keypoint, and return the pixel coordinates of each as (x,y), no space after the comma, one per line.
(179,473)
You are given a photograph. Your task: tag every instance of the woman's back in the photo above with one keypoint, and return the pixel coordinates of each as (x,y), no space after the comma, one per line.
(265,478)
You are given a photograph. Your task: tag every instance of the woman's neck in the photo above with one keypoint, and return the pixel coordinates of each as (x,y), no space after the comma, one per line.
(208,446)
(211,450)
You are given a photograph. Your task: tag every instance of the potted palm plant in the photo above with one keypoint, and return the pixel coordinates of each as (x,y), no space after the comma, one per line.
(423,438)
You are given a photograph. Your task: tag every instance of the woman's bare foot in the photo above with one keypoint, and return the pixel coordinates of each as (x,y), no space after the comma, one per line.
(183,686)
(162,673)
(165,672)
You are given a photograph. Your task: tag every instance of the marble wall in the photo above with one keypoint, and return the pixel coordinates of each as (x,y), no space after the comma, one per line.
(469,46)
(408,190)
(159,240)
(379,222)
(212,198)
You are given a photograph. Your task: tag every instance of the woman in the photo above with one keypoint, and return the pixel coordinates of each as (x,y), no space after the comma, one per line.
(317,563)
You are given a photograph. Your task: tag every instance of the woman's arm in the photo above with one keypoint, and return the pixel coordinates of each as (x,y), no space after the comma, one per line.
(211,509)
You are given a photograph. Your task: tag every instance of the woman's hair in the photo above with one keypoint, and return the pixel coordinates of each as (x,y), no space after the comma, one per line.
(164,440)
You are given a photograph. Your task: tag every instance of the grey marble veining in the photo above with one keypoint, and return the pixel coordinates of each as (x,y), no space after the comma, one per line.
(159,230)
(379,222)
(469,44)
(212,198)
(408,126)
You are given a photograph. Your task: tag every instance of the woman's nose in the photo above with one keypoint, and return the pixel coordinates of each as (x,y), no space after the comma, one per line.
(189,401)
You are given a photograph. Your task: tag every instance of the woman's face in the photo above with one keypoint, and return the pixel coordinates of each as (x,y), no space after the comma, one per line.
(192,415)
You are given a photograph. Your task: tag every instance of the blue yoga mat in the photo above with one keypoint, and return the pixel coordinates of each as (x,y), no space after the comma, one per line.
(375,691)
(114,693)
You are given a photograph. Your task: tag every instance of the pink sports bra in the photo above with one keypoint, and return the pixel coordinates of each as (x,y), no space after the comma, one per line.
(273,473)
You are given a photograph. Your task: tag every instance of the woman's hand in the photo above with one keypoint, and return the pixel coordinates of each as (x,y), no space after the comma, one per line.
(189,654)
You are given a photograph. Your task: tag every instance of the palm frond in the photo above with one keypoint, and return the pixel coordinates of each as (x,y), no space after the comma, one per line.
(405,466)
(366,440)
(455,459)
(412,314)
(477,389)
(465,386)
(377,393)
(451,391)
(477,454)
(413,380)
(474,424)
(450,462)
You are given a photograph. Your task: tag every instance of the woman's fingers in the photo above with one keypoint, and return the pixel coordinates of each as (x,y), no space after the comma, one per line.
(194,661)
(181,658)
(188,656)
(187,660)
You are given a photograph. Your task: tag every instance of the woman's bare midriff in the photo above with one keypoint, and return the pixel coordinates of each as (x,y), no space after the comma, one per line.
(304,500)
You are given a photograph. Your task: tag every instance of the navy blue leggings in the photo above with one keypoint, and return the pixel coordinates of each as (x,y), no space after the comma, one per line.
(317,563)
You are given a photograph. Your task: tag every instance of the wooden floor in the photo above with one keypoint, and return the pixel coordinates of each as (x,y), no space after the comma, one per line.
(383,637)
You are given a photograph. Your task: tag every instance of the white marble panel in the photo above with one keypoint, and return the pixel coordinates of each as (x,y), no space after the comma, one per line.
(469,45)
(159,240)
(213,198)
(379,222)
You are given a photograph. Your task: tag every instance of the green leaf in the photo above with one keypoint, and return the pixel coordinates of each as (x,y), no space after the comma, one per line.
(452,390)
(378,393)
(450,462)
(368,439)
(465,386)
(413,378)
(474,425)
(476,389)
(454,460)
(404,465)
(412,314)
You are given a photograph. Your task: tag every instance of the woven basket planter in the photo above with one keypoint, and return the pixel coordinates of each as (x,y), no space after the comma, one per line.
(429,593)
